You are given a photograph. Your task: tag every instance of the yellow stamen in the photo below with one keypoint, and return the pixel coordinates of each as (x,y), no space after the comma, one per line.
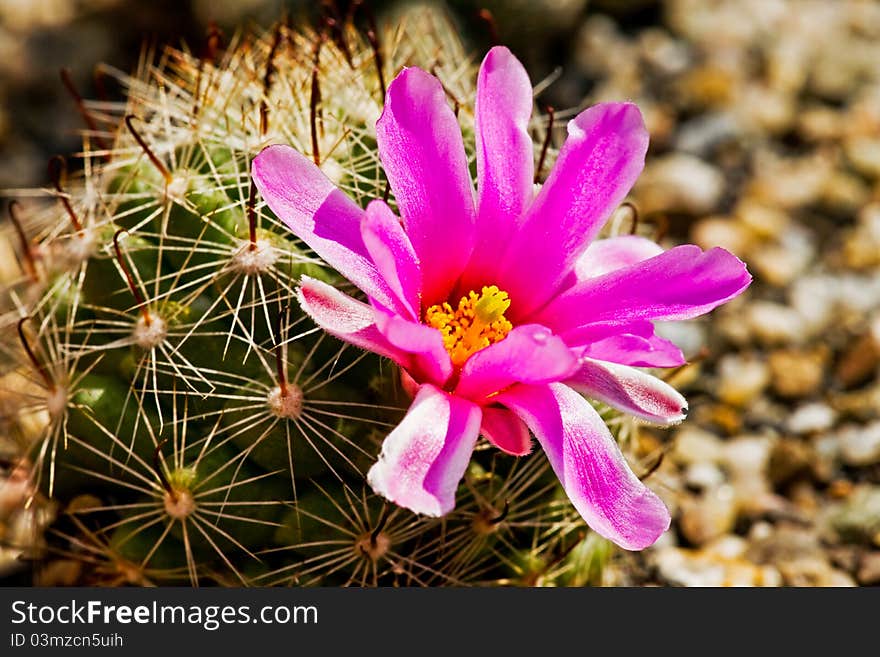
(477,322)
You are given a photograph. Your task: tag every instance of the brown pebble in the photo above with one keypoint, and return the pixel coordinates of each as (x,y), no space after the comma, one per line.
(813,572)
(860,404)
(721,231)
(840,488)
(790,459)
(859,362)
(796,372)
(847,557)
(869,569)
(709,516)
(725,417)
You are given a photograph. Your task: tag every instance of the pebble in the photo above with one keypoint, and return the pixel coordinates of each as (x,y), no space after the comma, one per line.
(680,567)
(695,445)
(774,323)
(789,459)
(708,87)
(597,41)
(862,404)
(726,232)
(846,557)
(790,182)
(765,412)
(726,418)
(844,193)
(811,418)
(859,362)
(813,572)
(861,249)
(857,520)
(765,221)
(805,500)
(709,516)
(679,183)
(745,458)
(729,546)
(819,123)
(690,337)
(854,293)
(813,302)
(704,475)
(781,543)
(746,455)
(869,569)
(732,325)
(660,50)
(864,154)
(741,378)
(766,110)
(838,71)
(826,448)
(860,445)
(700,135)
(797,372)
(780,263)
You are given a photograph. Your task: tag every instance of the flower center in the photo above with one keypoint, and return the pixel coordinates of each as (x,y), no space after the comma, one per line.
(477,322)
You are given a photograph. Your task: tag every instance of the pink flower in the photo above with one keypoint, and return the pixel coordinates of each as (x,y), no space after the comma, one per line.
(498,306)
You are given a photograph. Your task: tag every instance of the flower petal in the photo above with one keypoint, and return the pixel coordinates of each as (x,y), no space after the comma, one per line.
(431,361)
(636,350)
(505,158)
(346,318)
(423,155)
(629,390)
(427,454)
(589,464)
(681,283)
(529,354)
(318,213)
(598,164)
(506,431)
(603,256)
(393,255)
(596,331)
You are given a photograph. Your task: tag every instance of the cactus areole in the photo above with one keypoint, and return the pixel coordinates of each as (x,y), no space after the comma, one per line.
(499,305)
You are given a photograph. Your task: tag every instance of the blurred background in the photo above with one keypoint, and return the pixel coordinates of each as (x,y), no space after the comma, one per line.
(765,123)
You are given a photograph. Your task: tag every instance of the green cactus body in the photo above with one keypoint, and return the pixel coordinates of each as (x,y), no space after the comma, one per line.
(226,439)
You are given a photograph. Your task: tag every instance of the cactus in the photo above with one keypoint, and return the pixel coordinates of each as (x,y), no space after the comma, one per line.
(187,421)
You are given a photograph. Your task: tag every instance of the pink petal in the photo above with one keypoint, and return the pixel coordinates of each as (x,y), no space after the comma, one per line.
(681,283)
(346,318)
(529,354)
(636,350)
(506,431)
(597,166)
(319,214)
(597,331)
(603,256)
(629,390)
(430,361)
(422,152)
(427,454)
(589,465)
(505,158)
(393,255)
